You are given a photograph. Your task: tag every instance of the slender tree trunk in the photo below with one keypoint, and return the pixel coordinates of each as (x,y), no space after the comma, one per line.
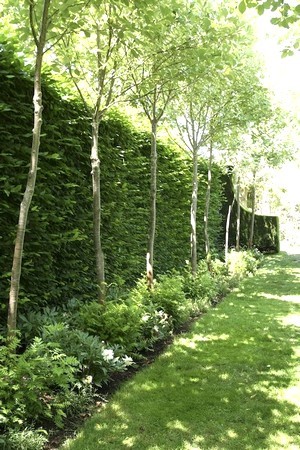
(253,193)
(194,202)
(206,210)
(227,230)
(95,163)
(238,216)
(30,186)
(153,191)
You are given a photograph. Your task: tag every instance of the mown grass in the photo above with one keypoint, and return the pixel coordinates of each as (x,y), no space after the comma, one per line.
(232,382)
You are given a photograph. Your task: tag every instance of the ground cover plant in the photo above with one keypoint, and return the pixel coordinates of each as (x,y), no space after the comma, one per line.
(231,382)
(65,355)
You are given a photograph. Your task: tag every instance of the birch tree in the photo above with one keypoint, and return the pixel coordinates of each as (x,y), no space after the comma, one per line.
(215,99)
(94,60)
(37,21)
(155,81)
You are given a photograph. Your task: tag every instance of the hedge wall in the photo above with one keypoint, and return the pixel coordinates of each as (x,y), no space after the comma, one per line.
(266,228)
(58,254)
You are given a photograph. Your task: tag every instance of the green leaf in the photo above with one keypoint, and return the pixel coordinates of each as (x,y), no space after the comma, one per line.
(260,10)
(54,156)
(242,7)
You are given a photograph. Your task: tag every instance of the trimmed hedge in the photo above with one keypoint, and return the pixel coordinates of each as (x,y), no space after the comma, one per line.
(58,259)
(266,228)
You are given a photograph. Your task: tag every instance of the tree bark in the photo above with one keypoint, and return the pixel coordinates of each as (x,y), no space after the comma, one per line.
(153,192)
(238,216)
(227,230)
(206,210)
(31,180)
(95,164)
(253,193)
(194,203)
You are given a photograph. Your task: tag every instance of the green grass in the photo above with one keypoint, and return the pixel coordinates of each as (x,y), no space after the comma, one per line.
(232,382)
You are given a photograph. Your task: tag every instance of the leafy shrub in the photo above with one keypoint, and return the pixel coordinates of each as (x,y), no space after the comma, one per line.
(168,295)
(33,321)
(202,288)
(82,397)
(115,323)
(221,278)
(95,359)
(26,439)
(35,385)
(156,325)
(242,263)
(140,294)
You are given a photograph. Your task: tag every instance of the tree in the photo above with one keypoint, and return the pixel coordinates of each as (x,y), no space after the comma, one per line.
(37,21)
(220,95)
(283,13)
(263,146)
(160,49)
(94,59)
(40,40)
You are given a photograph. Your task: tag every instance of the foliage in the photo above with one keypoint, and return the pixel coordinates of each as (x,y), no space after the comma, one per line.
(156,326)
(96,359)
(35,385)
(287,12)
(27,439)
(243,263)
(114,323)
(266,228)
(168,296)
(283,13)
(32,322)
(229,372)
(202,288)
(58,249)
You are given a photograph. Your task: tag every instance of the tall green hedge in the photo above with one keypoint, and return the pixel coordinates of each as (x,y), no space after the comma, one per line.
(266,228)
(58,254)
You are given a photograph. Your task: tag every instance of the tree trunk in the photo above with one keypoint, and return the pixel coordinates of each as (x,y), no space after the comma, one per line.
(206,210)
(227,230)
(95,163)
(29,190)
(253,193)
(238,216)
(194,213)
(153,190)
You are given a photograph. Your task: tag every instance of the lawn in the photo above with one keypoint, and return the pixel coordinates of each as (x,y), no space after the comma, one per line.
(231,382)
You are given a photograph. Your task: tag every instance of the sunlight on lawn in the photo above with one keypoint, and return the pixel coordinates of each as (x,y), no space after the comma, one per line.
(292,395)
(129,441)
(280,440)
(149,386)
(191,343)
(291,319)
(284,298)
(177,425)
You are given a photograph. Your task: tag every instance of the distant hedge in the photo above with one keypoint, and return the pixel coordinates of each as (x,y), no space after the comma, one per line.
(266,228)
(58,259)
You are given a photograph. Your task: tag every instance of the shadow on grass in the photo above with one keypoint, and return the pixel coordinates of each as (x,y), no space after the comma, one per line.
(228,384)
